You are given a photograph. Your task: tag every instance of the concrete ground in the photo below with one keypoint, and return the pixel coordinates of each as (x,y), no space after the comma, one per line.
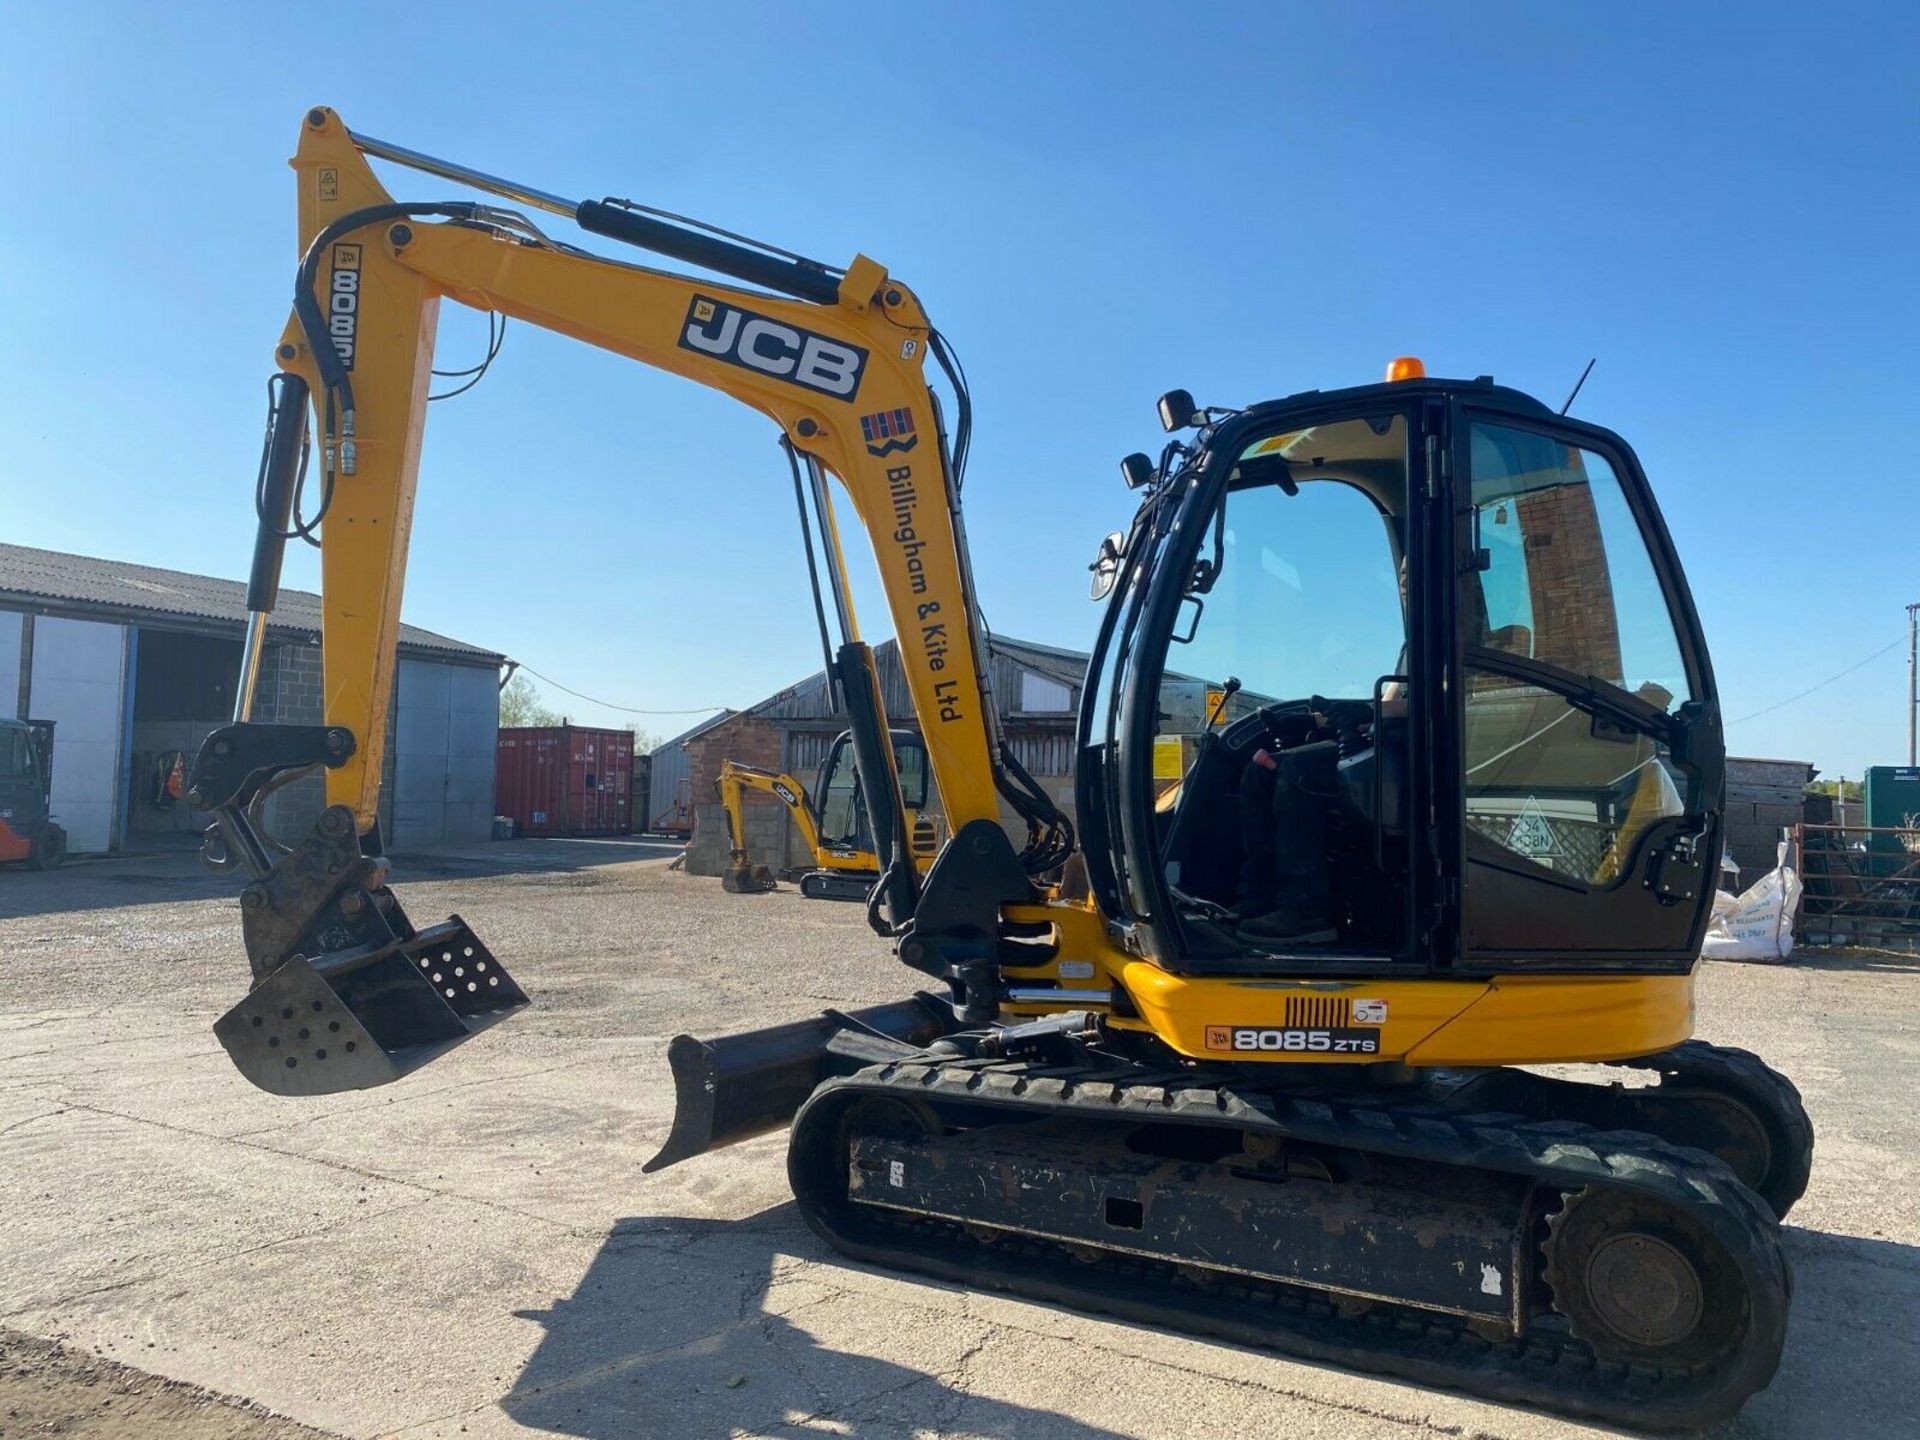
(475,1251)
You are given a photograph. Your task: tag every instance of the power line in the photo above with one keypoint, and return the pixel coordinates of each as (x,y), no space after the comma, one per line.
(609,705)
(1822,685)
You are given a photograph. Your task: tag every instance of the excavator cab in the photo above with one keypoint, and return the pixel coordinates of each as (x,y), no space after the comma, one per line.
(842,810)
(1471,727)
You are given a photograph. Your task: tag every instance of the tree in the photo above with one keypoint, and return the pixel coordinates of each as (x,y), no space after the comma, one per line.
(1856,791)
(645,741)
(520,704)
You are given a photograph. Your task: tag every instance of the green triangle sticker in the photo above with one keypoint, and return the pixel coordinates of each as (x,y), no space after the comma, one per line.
(1532,834)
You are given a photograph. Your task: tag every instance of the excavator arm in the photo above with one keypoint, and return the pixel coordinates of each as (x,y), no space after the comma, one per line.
(733,783)
(840,351)
(836,359)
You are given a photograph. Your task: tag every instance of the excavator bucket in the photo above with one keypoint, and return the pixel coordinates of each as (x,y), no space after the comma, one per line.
(351,1019)
(745,879)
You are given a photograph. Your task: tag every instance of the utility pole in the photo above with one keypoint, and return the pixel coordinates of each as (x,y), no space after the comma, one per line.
(1913,681)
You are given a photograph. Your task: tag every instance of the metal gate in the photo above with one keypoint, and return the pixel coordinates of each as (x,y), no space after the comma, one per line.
(1861,885)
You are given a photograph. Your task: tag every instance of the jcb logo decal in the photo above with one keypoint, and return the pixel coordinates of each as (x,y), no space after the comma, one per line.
(343,303)
(755,342)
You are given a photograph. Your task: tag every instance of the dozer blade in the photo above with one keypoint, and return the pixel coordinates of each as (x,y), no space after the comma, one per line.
(740,1086)
(352,1019)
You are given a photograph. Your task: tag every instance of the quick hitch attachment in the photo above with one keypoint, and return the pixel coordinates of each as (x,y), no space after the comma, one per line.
(346,993)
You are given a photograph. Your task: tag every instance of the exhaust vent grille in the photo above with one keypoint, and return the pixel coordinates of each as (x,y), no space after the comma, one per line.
(1317,1012)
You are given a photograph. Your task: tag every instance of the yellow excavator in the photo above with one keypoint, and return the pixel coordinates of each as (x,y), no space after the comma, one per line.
(833,827)
(1273,1077)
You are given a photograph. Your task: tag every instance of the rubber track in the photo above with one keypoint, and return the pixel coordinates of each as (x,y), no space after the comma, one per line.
(1741,1072)
(1547,1367)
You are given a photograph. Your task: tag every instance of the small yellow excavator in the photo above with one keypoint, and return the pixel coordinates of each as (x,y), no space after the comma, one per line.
(833,827)
(1275,1075)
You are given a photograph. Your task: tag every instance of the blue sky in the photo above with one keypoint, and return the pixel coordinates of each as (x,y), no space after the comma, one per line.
(1096,204)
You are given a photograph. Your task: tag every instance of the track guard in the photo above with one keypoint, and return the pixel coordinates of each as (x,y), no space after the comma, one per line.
(837,885)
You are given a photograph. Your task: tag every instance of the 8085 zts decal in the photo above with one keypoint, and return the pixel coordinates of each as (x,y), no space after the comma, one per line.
(772,347)
(1248,1039)
(343,303)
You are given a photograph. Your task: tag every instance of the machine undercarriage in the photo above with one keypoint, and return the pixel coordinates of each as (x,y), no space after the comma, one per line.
(1411,1229)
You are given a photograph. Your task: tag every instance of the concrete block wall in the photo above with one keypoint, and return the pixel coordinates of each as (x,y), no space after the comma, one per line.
(1764,797)
(1753,834)
(290,693)
(747,740)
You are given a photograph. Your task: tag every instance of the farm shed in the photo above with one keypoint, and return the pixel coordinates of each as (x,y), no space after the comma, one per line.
(135,665)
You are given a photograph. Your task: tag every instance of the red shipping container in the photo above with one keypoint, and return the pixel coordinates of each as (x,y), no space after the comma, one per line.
(565,780)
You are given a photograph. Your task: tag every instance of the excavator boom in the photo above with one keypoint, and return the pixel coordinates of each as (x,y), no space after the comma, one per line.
(836,359)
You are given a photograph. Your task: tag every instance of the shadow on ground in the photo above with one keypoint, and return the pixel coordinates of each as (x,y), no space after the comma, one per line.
(528,857)
(174,875)
(1851,1350)
(676,1330)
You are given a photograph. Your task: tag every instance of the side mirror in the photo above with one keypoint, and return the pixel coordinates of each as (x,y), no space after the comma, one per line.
(1106,565)
(1136,470)
(1177,411)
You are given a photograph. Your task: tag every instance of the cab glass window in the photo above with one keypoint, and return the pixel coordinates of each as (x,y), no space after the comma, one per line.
(1568,582)
(841,820)
(912,761)
(1299,588)
(16,759)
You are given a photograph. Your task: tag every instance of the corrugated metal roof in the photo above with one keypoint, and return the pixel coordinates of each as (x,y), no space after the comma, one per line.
(809,699)
(1069,667)
(137,592)
(669,746)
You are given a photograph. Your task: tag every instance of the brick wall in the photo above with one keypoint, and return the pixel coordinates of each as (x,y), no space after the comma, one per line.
(1764,797)
(1572,593)
(746,740)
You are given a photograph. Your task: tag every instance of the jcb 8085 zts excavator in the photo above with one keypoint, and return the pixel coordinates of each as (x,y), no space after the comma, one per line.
(833,827)
(1456,815)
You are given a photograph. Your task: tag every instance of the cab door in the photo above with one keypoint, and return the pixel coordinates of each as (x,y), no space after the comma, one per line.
(1589,748)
